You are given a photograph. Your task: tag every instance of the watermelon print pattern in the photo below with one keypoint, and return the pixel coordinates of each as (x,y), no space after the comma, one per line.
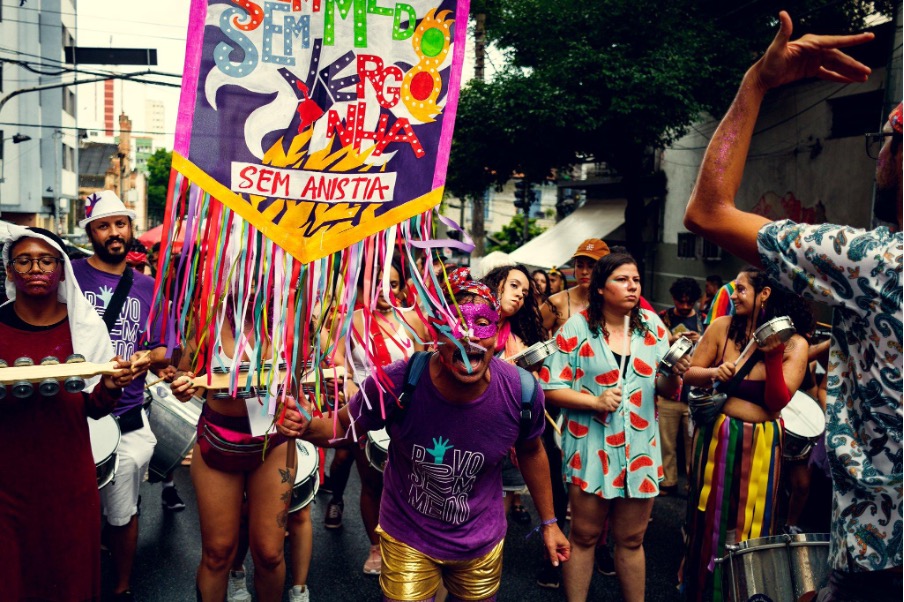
(623,458)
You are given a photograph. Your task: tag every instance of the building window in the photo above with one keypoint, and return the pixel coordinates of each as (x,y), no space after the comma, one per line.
(69,101)
(68,158)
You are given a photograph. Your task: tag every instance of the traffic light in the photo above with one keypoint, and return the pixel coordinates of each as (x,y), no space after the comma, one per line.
(522,194)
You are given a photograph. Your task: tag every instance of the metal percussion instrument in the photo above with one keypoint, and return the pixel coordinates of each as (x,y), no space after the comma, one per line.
(377,448)
(679,349)
(781,326)
(105,435)
(783,567)
(307,481)
(175,424)
(804,422)
(535,354)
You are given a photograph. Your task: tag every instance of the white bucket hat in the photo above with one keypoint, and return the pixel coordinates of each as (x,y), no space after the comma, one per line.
(104,203)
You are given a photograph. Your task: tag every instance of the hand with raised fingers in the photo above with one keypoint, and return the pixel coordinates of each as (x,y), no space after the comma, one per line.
(812,55)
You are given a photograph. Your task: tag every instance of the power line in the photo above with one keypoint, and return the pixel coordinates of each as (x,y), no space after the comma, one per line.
(79,129)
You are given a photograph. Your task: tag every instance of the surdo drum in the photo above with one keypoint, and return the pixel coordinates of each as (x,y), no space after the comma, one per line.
(104,434)
(175,424)
(782,567)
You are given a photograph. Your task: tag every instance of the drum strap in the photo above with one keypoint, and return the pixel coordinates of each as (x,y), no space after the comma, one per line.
(118,299)
(419,360)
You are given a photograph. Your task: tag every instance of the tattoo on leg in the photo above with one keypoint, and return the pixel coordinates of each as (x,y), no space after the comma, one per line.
(282,519)
(285,474)
(286,496)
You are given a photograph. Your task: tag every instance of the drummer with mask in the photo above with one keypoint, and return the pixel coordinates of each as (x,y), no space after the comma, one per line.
(747,433)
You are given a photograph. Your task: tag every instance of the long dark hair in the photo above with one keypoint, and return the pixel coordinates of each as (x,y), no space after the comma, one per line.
(526,323)
(545,293)
(781,302)
(601,273)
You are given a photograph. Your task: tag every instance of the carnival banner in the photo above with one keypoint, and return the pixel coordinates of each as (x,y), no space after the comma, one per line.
(320,122)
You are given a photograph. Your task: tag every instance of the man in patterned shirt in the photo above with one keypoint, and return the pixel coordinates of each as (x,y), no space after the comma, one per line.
(856,271)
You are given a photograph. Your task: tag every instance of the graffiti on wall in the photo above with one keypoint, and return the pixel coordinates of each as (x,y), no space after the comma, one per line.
(776,207)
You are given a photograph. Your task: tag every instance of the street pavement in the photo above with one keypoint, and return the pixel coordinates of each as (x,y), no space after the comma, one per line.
(169,550)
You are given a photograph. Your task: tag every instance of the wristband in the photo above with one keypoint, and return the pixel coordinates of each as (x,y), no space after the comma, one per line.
(542,524)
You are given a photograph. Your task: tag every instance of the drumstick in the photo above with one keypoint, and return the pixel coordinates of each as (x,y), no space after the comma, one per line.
(553,424)
(151,384)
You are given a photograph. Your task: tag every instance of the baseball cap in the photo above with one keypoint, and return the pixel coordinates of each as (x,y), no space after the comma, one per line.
(104,203)
(593,248)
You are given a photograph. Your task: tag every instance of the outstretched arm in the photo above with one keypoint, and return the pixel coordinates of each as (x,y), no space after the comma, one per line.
(711,210)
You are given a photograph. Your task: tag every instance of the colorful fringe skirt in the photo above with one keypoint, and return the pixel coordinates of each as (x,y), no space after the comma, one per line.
(733,497)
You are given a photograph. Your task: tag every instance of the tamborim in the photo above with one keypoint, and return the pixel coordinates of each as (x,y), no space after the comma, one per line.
(104,434)
(782,326)
(377,448)
(679,349)
(535,354)
(306,481)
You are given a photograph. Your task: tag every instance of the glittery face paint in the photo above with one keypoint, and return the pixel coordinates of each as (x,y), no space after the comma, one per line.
(481,321)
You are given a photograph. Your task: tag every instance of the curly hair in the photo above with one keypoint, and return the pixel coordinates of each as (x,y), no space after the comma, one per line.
(781,302)
(685,288)
(601,272)
(526,323)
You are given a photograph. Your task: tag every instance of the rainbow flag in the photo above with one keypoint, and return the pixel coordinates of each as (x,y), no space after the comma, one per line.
(721,305)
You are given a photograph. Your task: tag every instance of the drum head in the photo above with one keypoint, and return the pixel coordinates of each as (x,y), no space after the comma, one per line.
(104,434)
(308,460)
(803,416)
(379,438)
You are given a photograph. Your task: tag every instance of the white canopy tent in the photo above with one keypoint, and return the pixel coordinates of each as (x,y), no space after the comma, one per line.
(593,219)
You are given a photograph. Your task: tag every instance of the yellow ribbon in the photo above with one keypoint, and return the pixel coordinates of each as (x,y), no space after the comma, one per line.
(710,463)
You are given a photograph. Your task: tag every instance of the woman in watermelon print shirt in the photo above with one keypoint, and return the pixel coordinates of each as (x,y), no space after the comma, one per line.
(612,462)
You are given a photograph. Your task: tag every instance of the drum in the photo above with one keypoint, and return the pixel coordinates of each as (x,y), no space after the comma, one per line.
(781,326)
(783,567)
(175,424)
(377,448)
(804,422)
(535,354)
(105,435)
(679,349)
(307,481)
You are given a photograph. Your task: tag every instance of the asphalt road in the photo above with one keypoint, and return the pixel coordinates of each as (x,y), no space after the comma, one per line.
(169,550)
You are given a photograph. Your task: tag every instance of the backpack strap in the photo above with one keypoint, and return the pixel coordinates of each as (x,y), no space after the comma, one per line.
(528,386)
(416,364)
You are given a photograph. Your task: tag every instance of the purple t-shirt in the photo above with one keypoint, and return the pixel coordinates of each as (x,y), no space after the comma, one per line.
(442,486)
(128,334)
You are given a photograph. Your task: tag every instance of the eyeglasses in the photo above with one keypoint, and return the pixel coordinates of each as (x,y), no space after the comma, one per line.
(874,143)
(24,264)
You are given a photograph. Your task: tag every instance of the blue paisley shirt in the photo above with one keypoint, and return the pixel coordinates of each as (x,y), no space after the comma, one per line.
(858,272)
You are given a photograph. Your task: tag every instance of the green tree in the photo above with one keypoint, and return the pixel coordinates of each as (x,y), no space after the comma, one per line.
(511,236)
(159,165)
(613,80)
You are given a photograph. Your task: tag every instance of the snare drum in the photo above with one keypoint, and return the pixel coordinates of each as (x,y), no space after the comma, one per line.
(307,481)
(783,567)
(535,354)
(781,326)
(105,435)
(175,424)
(377,448)
(804,422)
